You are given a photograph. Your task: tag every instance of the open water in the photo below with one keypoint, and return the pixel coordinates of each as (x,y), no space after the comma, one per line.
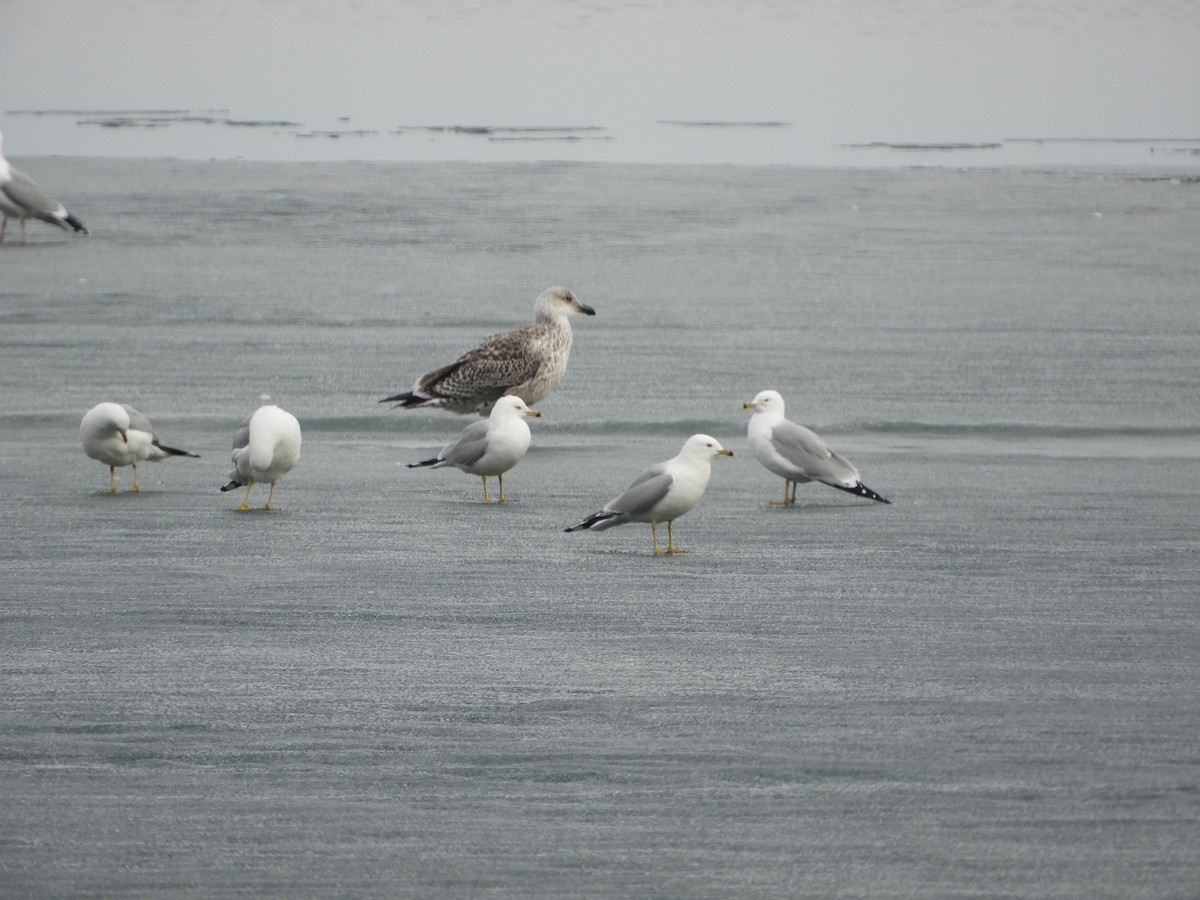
(385,688)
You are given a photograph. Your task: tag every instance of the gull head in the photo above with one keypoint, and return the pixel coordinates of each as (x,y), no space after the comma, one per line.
(512,405)
(703,446)
(555,302)
(768,402)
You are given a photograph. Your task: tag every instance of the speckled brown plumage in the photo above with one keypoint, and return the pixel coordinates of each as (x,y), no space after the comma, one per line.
(527,362)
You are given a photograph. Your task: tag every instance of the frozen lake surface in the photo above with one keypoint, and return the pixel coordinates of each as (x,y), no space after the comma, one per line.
(385,688)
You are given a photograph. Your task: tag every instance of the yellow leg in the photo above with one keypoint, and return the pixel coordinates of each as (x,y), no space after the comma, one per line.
(112,479)
(503,499)
(671,548)
(246,499)
(654,536)
(787,500)
(137,488)
(270,494)
(486,497)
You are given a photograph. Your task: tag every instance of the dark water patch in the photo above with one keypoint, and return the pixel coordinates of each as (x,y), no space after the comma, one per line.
(720,123)
(952,145)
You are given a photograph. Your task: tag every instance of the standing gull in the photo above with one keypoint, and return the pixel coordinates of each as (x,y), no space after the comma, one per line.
(265,448)
(797,454)
(662,493)
(490,447)
(119,435)
(21,198)
(527,362)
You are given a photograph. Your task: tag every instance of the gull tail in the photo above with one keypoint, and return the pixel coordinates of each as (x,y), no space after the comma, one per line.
(78,225)
(593,520)
(861,490)
(407,400)
(424,462)
(174,451)
(233,484)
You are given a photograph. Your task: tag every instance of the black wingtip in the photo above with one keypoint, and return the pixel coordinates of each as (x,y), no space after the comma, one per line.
(75,223)
(407,400)
(593,519)
(861,490)
(424,462)
(175,451)
(231,486)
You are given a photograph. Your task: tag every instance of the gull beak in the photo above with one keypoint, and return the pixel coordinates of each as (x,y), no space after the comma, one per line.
(749,404)
(533,413)
(124,437)
(586,310)
(725,451)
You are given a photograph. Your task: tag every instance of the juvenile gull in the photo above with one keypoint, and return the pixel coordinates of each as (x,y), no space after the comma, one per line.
(527,362)
(662,493)
(21,198)
(265,448)
(119,435)
(490,447)
(797,454)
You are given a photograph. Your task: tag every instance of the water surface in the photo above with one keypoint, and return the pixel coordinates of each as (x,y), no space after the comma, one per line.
(385,688)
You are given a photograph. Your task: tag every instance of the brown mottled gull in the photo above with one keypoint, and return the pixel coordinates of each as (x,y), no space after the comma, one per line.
(528,362)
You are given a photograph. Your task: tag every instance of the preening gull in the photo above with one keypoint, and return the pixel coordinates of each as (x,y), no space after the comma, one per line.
(21,198)
(662,493)
(490,447)
(527,362)
(119,435)
(797,454)
(265,448)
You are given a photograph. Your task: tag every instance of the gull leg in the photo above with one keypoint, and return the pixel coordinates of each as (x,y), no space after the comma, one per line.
(270,494)
(671,548)
(486,497)
(246,499)
(137,488)
(3,228)
(503,499)
(654,537)
(785,501)
(22,230)
(112,479)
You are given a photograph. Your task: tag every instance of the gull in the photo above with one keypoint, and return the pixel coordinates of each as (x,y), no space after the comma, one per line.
(119,435)
(265,448)
(21,198)
(490,447)
(797,454)
(527,362)
(662,493)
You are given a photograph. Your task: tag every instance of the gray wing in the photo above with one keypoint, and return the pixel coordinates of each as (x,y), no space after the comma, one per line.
(798,445)
(137,420)
(241,440)
(24,192)
(471,445)
(487,372)
(647,490)
(806,451)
